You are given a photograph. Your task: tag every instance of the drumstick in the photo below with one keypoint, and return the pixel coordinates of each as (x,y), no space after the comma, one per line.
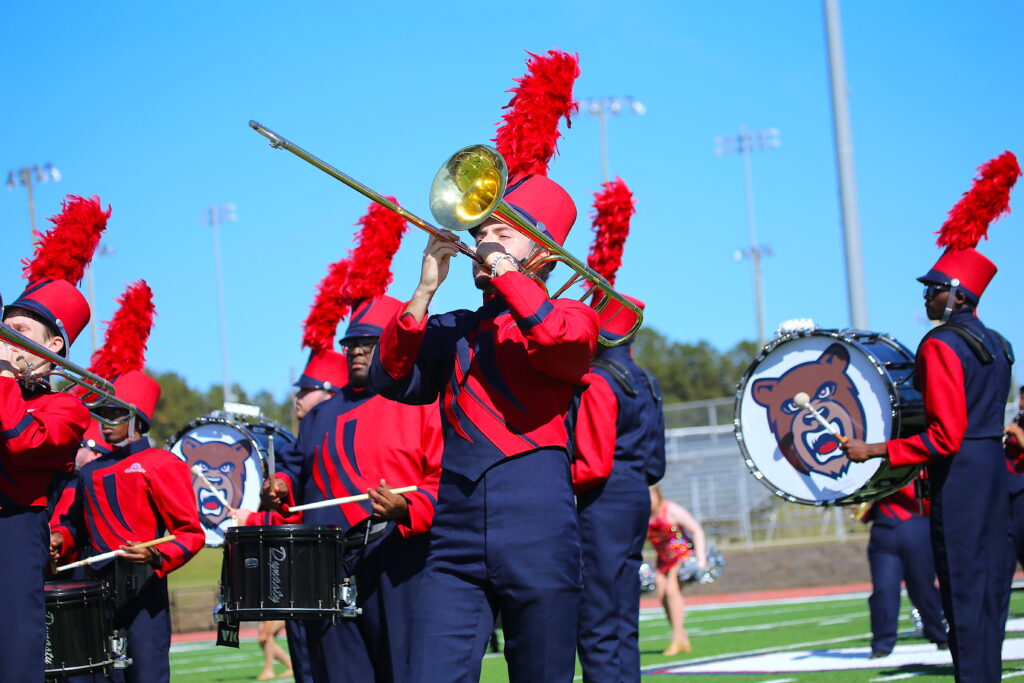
(804,401)
(349,499)
(115,553)
(271,463)
(198,471)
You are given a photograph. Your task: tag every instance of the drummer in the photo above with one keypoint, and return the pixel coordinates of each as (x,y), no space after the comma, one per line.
(963,369)
(135,493)
(357,442)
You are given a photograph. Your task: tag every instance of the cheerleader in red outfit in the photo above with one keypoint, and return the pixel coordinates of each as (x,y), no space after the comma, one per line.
(675,535)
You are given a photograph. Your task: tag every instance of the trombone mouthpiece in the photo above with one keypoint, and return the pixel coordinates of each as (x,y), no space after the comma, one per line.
(802,400)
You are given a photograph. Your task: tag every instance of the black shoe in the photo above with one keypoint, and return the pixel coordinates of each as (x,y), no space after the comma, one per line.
(878,654)
(942,646)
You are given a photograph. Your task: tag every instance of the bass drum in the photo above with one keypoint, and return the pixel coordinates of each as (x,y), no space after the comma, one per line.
(232,451)
(860,382)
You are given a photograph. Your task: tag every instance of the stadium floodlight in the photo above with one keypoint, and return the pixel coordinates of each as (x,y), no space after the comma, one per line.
(215,215)
(743,143)
(24,176)
(600,107)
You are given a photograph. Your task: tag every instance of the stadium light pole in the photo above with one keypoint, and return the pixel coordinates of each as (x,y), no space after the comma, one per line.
(844,164)
(743,143)
(23,176)
(215,216)
(600,108)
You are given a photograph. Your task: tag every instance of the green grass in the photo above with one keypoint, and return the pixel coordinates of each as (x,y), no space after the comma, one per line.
(714,631)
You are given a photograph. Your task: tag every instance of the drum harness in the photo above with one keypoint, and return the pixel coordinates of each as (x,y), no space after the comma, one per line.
(976,344)
(624,378)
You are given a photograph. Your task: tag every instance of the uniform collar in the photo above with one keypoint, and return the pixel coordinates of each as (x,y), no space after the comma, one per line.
(140,444)
(494,305)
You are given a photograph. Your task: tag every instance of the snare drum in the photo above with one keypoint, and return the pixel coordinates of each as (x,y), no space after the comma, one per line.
(288,571)
(860,382)
(78,627)
(232,451)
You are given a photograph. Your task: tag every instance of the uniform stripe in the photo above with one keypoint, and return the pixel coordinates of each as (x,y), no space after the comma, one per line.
(110,491)
(17,429)
(531,321)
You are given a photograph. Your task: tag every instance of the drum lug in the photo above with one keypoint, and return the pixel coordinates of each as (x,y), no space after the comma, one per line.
(119,649)
(348,599)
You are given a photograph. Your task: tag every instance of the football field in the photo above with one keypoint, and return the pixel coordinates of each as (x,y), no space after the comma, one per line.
(777,641)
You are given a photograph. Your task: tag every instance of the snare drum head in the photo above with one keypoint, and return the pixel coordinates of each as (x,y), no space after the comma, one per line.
(232,461)
(786,446)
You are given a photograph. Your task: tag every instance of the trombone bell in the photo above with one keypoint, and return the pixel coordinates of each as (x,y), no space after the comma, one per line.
(468,187)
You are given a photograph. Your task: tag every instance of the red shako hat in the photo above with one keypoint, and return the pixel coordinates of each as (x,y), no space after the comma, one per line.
(58,264)
(142,391)
(961,264)
(616,319)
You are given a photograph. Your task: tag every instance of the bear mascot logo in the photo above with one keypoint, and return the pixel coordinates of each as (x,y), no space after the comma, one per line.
(224,466)
(804,442)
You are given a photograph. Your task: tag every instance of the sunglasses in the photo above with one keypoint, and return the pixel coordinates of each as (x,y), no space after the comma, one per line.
(364,343)
(932,291)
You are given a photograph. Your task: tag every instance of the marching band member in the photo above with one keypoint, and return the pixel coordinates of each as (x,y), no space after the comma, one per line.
(359,442)
(1014,447)
(39,429)
(619,452)
(505,535)
(133,494)
(355,442)
(899,550)
(963,370)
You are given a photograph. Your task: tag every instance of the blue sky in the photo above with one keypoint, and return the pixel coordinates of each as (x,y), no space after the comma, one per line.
(146,105)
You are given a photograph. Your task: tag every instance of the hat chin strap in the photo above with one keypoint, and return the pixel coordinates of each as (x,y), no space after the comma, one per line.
(950,300)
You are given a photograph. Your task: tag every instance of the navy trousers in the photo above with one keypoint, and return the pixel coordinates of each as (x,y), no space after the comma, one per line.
(375,645)
(146,622)
(507,542)
(25,539)
(295,630)
(970,509)
(613,527)
(898,553)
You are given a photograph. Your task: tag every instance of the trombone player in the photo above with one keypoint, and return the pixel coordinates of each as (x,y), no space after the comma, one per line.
(40,431)
(505,536)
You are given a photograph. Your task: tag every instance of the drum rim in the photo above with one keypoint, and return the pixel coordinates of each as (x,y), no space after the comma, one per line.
(75,588)
(271,530)
(240,422)
(849,336)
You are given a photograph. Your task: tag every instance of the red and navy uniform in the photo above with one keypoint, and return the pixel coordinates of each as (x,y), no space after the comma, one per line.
(505,534)
(346,445)
(964,403)
(1015,468)
(39,436)
(137,493)
(899,550)
(620,451)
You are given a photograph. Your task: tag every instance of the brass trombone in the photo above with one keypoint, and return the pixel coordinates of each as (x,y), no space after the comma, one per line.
(95,385)
(468,190)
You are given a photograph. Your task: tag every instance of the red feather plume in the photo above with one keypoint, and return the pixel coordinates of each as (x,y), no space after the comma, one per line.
(529,134)
(983,204)
(613,207)
(327,310)
(379,238)
(66,249)
(124,344)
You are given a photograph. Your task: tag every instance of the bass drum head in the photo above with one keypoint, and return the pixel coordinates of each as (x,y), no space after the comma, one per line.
(790,451)
(232,461)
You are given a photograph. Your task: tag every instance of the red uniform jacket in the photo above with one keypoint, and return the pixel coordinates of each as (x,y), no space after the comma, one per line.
(351,441)
(898,506)
(505,373)
(134,494)
(39,435)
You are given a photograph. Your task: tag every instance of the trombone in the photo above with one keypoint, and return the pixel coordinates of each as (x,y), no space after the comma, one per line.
(468,190)
(95,385)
